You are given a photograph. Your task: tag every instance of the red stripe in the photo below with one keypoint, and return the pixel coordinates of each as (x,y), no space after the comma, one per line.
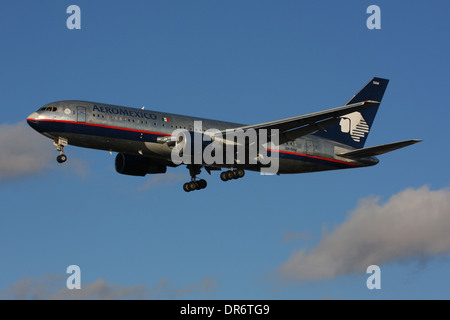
(315,157)
(165,134)
(101,126)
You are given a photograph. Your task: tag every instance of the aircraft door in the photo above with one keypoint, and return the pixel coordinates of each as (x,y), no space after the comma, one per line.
(81,114)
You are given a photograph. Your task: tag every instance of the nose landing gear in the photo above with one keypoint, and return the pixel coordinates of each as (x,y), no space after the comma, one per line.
(60,147)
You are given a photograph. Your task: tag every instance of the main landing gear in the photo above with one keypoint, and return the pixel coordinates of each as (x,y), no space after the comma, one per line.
(60,147)
(194,184)
(232,174)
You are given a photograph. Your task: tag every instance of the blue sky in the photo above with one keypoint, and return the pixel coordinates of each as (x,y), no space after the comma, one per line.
(242,61)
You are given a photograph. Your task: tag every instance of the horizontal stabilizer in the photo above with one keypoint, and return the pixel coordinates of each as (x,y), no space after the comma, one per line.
(377,150)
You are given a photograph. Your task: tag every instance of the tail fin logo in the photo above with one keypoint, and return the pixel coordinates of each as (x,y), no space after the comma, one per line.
(354,124)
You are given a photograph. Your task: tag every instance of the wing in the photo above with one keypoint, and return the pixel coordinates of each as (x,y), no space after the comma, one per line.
(295,127)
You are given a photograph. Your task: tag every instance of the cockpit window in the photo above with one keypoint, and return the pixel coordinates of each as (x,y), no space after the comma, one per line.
(52,109)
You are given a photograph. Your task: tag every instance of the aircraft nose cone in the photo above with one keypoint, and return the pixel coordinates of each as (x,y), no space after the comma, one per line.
(33,120)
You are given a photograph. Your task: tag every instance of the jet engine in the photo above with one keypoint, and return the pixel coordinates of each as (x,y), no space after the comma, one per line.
(135,165)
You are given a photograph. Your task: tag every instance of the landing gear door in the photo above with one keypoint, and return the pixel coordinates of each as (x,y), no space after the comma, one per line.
(81,114)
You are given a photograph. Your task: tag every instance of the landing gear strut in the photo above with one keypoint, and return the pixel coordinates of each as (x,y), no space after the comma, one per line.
(194,184)
(232,174)
(60,147)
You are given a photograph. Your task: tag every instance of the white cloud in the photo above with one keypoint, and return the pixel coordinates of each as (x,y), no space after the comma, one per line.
(158,180)
(75,166)
(206,286)
(101,290)
(52,287)
(413,224)
(22,151)
(291,236)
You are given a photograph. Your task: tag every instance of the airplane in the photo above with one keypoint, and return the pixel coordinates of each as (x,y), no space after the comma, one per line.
(143,139)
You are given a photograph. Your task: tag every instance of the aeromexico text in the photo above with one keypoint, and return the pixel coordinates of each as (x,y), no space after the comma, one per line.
(242,147)
(124,112)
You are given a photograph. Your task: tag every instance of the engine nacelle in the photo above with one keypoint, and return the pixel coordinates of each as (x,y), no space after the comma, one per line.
(134,165)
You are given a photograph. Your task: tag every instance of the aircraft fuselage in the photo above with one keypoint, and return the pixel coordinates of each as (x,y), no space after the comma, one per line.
(136,131)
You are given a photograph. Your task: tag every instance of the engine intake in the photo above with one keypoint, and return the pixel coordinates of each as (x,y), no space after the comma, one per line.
(135,165)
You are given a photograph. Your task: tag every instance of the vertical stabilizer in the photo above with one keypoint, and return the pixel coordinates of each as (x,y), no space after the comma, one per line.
(354,127)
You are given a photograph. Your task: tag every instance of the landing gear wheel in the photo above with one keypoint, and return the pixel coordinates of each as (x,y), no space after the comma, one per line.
(202,184)
(230,175)
(240,173)
(192,185)
(223,176)
(61,158)
(186,187)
